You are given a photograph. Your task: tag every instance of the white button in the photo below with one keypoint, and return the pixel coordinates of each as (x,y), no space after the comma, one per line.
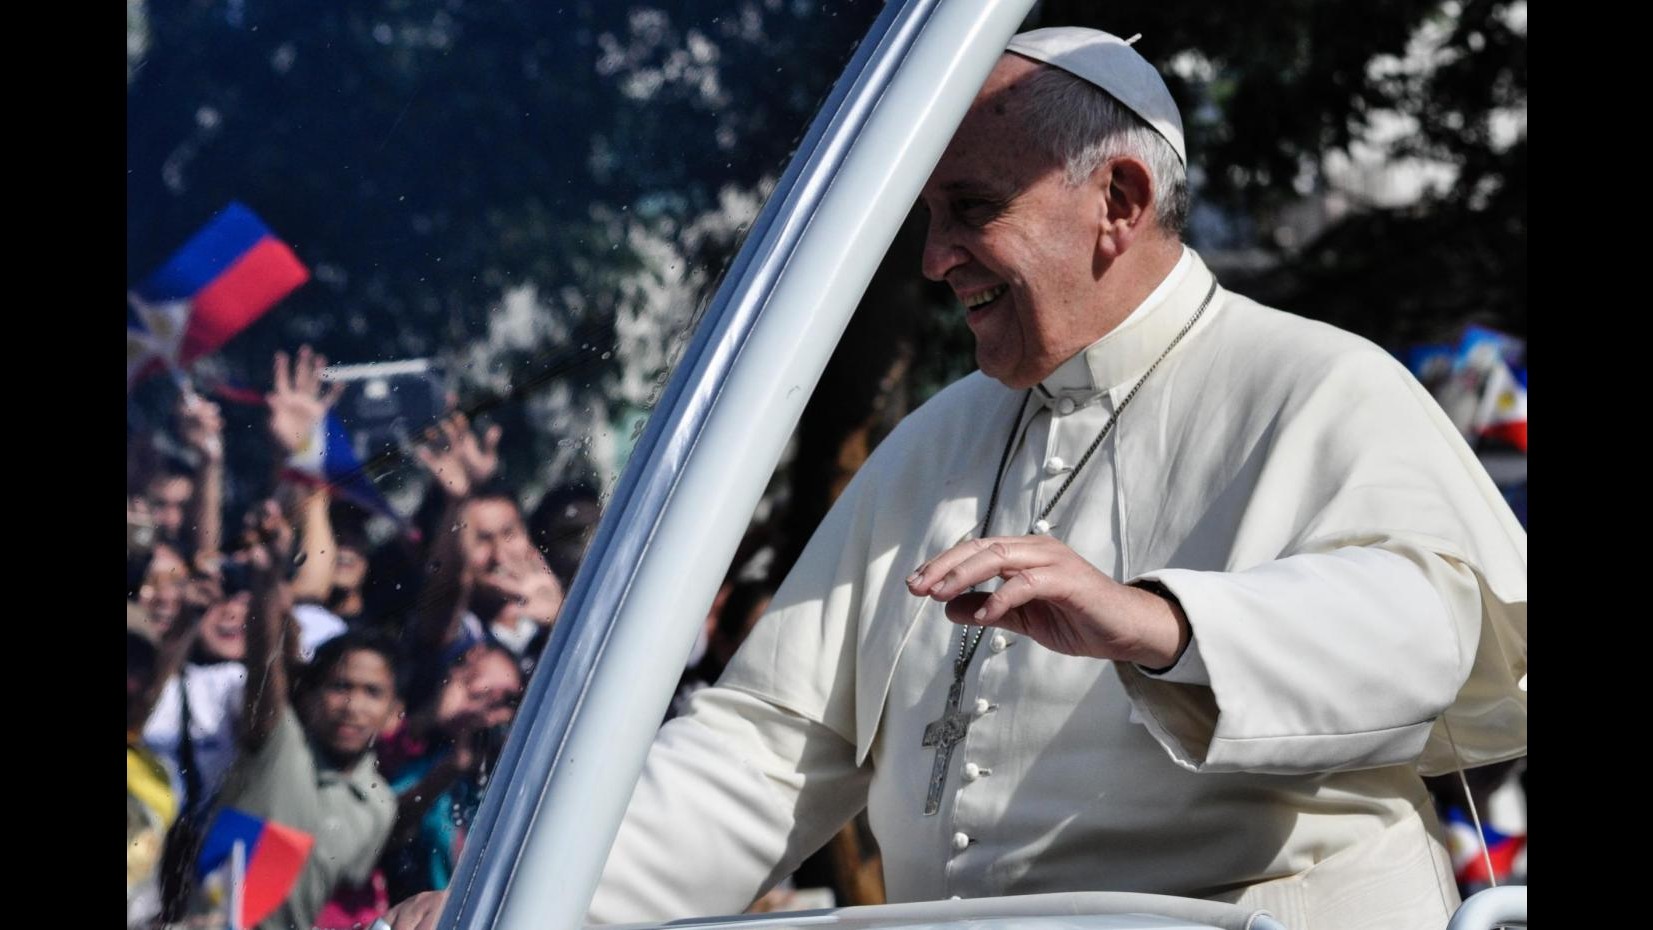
(998,643)
(1056,465)
(1041,527)
(972,771)
(1065,406)
(982,707)
(960,841)
(955,898)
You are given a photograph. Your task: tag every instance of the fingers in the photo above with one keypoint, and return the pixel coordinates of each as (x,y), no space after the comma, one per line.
(301,370)
(998,559)
(970,563)
(505,585)
(283,377)
(1017,592)
(303,376)
(523,561)
(305,372)
(419,912)
(490,440)
(432,445)
(331,396)
(922,580)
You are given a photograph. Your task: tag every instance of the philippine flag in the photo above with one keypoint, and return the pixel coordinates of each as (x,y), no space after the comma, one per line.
(1464,846)
(275,857)
(225,277)
(1502,413)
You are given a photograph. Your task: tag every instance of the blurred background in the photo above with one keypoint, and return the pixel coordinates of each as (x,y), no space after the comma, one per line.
(415,271)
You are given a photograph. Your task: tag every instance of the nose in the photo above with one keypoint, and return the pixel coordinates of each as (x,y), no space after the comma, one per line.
(941,252)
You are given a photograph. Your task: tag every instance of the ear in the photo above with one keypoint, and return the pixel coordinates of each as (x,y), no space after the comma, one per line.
(1127,204)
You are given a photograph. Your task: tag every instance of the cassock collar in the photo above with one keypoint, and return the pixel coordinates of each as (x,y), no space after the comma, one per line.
(1127,350)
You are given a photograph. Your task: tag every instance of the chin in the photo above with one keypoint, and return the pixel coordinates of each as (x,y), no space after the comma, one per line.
(348,752)
(1006,375)
(992,367)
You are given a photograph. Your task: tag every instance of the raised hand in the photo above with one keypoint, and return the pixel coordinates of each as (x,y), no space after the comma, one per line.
(420,912)
(298,404)
(527,585)
(453,455)
(1055,597)
(202,426)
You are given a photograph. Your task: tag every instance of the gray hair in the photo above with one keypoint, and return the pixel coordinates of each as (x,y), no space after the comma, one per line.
(1084,126)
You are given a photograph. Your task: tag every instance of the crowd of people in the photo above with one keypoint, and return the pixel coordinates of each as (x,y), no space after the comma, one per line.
(290,670)
(286,671)
(1325,601)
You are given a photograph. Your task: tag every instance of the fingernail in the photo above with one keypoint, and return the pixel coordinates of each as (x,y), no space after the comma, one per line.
(980,614)
(939,587)
(913,578)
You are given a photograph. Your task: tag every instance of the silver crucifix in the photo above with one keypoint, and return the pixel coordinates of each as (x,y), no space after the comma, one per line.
(944,734)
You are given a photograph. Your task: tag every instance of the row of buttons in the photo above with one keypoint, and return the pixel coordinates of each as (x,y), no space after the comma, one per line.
(972,771)
(1055,466)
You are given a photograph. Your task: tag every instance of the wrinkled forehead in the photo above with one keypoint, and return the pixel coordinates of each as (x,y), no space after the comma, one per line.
(995,139)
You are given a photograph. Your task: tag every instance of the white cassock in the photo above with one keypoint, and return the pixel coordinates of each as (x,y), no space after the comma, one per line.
(1356,588)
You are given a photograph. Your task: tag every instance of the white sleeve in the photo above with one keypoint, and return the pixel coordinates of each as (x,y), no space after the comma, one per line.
(733,795)
(1314,662)
(1189,669)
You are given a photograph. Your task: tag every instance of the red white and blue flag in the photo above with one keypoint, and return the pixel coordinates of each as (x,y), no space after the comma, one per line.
(275,855)
(1469,863)
(1502,413)
(225,277)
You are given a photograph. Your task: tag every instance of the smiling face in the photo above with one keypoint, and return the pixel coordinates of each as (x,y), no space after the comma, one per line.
(1014,241)
(493,534)
(223,630)
(352,703)
(162,593)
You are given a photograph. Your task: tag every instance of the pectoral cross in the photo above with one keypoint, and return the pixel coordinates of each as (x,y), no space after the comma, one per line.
(944,734)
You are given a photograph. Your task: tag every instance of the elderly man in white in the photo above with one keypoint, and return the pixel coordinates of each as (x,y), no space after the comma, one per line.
(1221,581)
